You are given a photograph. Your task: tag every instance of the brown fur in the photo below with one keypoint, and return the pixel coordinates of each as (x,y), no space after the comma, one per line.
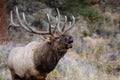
(37,59)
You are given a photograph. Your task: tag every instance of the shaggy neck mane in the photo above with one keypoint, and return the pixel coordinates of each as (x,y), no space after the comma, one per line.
(46,57)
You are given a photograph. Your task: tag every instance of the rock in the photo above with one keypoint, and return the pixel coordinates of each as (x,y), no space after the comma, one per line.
(85,31)
(71,69)
(44,25)
(47,11)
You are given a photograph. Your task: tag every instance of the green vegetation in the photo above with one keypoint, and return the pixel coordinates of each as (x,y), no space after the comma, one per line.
(90,14)
(78,7)
(55,73)
(2,54)
(1,78)
(68,5)
(93,17)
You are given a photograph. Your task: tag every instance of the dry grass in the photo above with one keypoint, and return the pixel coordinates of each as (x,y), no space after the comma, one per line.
(89,57)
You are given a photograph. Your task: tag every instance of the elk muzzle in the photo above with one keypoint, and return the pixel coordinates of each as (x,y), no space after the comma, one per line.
(70,41)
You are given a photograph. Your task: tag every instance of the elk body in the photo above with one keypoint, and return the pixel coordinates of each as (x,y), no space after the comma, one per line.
(35,60)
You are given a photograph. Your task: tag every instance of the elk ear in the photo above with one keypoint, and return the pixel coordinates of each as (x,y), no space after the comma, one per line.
(48,38)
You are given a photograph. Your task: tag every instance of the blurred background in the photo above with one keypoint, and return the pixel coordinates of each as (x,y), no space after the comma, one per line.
(96,51)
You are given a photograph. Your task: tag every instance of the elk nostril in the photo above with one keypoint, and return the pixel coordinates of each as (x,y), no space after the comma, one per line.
(70,39)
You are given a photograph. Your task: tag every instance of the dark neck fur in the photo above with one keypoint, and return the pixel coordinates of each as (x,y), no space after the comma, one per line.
(46,57)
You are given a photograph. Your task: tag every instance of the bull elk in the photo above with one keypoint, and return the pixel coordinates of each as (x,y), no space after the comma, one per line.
(35,60)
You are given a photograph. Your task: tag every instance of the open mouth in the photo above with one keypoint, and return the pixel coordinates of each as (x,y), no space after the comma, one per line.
(71,41)
(69,45)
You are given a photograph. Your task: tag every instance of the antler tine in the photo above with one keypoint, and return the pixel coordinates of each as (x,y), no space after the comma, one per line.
(24,18)
(24,24)
(27,26)
(70,25)
(11,21)
(20,21)
(33,31)
(64,23)
(58,24)
(48,17)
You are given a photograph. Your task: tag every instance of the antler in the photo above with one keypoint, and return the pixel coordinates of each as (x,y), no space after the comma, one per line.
(71,24)
(11,21)
(24,24)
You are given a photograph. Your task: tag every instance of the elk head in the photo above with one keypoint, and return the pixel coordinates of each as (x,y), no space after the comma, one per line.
(54,35)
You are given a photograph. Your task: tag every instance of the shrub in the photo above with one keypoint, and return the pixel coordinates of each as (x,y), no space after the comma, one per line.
(1,78)
(67,5)
(91,15)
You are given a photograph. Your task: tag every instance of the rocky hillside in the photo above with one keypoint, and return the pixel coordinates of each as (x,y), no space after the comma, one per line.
(96,51)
